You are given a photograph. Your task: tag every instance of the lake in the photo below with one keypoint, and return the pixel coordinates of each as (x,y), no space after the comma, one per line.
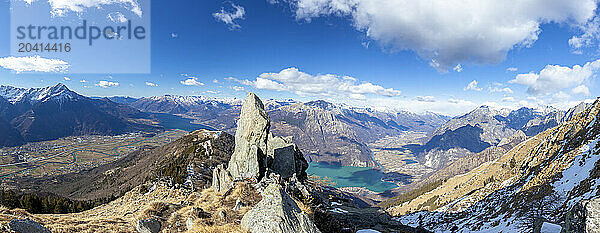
(348,176)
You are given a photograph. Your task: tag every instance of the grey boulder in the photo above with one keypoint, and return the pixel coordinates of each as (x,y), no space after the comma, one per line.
(26,226)
(284,158)
(221,179)
(584,217)
(277,212)
(148,226)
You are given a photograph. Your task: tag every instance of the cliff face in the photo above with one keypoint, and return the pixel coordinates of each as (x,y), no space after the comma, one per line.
(483,128)
(539,180)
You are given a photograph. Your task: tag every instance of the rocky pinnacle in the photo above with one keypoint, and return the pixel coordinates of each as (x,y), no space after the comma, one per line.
(251,136)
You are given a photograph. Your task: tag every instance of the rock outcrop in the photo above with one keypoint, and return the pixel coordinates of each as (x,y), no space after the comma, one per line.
(257,152)
(221,179)
(247,161)
(148,226)
(26,226)
(277,212)
(584,217)
(284,158)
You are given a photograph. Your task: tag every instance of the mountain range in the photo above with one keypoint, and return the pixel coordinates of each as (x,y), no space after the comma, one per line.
(38,114)
(542,182)
(325,132)
(485,127)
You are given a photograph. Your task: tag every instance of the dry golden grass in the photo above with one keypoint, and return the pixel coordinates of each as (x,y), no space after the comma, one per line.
(173,207)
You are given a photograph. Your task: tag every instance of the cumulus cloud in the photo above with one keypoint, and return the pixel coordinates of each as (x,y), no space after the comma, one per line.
(237,88)
(554,77)
(447,33)
(62,7)
(425,98)
(230,18)
(512,69)
(107,84)
(151,84)
(473,86)
(191,81)
(33,64)
(561,96)
(67,78)
(581,89)
(499,88)
(300,83)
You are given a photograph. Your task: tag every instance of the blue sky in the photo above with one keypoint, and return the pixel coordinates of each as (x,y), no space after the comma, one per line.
(363,53)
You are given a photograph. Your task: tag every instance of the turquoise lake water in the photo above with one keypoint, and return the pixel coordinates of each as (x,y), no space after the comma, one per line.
(347,176)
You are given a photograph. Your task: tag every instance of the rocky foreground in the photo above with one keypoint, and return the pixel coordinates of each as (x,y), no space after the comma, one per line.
(195,185)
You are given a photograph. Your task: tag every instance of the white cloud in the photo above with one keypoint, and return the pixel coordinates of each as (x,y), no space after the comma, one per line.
(499,88)
(151,84)
(458,68)
(67,78)
(581,89)
(116,17)
(107,84)
(300,83)
(554,77)
(450,106)
(33,64)
(425,98)
(358,96)
(473,86)
(61,7)
(451,32)
(237,88)
(512,69)
(191,81)
(230,18)
(83,81)
(590,35)
(508,99)
(215,81)
(561,96)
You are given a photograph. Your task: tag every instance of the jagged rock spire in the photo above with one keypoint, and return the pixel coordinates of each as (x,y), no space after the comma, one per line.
(251,139)
(257,152)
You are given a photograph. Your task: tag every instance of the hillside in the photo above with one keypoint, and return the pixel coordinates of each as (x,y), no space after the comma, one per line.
(541,178)
(188,161)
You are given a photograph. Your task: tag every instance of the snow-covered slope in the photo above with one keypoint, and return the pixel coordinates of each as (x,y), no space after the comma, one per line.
(539,180)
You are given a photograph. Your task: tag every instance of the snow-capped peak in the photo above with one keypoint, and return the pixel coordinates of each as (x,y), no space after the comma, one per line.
(58,92)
